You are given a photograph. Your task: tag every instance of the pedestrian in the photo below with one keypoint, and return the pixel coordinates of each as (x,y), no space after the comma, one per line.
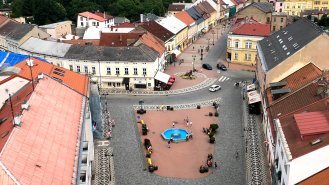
(198,50)
(193,48)
(173,124)
(237,155)
(169,143)
(190,123)
(215,165)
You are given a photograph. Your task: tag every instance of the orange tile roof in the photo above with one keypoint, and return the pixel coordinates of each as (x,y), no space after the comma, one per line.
(184,17)
(5,178)
(43,149)
(252,28)
(119,39)
(149,40)
(317,179)
(74,80)
(92,16)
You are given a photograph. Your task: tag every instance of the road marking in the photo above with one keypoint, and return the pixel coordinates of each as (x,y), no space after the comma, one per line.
(223,78)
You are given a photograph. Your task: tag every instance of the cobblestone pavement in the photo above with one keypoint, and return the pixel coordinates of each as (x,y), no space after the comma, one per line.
(199,86)
(257,171)
(104,170)
(180,106)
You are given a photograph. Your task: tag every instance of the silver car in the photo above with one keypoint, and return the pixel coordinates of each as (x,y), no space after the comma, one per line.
(214,88)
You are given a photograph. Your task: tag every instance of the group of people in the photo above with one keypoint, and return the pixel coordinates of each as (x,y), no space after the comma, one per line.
(209,164)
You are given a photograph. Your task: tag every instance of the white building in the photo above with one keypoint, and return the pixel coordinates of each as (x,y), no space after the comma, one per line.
(97,19)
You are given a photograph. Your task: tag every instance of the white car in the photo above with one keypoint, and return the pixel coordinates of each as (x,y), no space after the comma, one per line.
(214,88)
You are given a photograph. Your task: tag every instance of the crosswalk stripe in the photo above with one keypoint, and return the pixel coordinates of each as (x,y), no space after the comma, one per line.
(223,78)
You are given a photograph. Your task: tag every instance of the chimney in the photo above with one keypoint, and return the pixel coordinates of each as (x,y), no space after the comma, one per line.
(142,17)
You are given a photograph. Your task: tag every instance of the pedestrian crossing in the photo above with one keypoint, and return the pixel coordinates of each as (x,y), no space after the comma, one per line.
(223,78)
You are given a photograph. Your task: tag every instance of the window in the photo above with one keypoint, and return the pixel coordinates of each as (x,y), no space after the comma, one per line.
(273,28)
(280,10)
(293,6)
(93,69)
(144,71)
(81,23)
(248,44)
(247,56)
(97,23)
(149,84)
(281,19)
(236,45)
(280,27)
(118,84)
(108,70)
(126,71)
(324,2)
(274,19)
(236,56)
(78,69)
(71,67)
(86,69)
(109,83)
(280,4)
(81,18)
(316,2)
(135,71)
(117,71)
(228,43)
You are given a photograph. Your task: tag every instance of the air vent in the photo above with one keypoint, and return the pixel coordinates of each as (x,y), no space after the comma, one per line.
(29,62)
(316,141)
(25,105)
(17,121)
(40,76)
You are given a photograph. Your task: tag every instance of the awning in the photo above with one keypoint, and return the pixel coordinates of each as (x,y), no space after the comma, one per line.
(112,80)
(253,97)
(163,77)
(125,80)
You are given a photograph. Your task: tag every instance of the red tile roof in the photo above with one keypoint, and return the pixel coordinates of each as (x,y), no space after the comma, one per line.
(297,145)
(312,123)
(104,15)
(3,19)
(157,30)
(296,80)
(17,99)
(149,40)
(184,17)
(5,179)
(74,80)
(176,7)
(251,27)
(317,179)
(93,16)
(124,25)
(119,39)
(43,149)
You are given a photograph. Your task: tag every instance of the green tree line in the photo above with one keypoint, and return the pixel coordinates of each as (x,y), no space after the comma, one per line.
(50,11)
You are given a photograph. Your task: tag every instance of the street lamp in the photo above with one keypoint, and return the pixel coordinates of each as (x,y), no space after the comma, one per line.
(193,63)
(213,33)
(201,52)
(11,104)
(208,39)
(30,64)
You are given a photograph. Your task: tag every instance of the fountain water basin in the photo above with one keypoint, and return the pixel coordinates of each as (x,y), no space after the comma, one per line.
(178,134)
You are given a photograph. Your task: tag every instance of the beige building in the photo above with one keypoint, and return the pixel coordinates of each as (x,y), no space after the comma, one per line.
(261,12)
(278,21)
(58,30)
(290,49)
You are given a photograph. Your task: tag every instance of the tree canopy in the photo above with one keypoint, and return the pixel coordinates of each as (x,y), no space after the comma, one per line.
(49,11)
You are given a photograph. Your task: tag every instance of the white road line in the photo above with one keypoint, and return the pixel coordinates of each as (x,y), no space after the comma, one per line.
(223,78)
(220,78)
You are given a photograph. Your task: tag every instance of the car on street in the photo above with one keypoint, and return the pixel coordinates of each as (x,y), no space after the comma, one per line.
(206,66)
(221,67)
(214,88)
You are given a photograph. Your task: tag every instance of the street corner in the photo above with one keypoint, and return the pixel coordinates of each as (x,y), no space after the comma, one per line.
(238,67)
(189,131)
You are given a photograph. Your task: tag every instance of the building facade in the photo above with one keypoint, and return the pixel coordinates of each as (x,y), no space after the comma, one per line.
(96,19)
(58,30)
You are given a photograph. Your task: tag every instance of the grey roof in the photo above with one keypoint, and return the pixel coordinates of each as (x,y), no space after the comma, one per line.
(140,53)
(20,31)
(263,6)
(284,43)
(54,25)
(195,15)
(44,47)
(8,27)
(118,20)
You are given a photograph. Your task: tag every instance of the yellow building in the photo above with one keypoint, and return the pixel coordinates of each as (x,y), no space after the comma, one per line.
(295,7)
(321,4)
(242,40)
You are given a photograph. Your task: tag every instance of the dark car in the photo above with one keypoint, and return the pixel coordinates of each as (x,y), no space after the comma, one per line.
(221,67)
(207,66)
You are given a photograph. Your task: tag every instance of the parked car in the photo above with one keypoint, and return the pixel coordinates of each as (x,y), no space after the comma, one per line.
(221,67)
(214,88)
(206,66)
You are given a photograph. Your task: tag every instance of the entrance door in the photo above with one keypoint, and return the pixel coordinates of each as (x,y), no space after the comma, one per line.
(229,56)
(127,86)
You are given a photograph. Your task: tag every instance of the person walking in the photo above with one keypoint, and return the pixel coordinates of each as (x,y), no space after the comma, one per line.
(169,141)
(237,155)
(215,165)
(173,124)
